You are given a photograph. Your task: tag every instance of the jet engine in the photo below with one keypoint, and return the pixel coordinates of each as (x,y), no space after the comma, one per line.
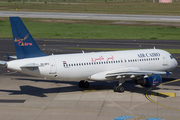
(153,80)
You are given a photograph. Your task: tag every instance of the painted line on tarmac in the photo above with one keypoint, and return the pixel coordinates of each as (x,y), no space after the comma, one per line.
(162,94)
(170,82)
(140,118)
(147,96)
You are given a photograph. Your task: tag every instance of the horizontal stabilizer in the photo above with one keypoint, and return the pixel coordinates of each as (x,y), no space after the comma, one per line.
(2,62)
(32,65)
(13,57)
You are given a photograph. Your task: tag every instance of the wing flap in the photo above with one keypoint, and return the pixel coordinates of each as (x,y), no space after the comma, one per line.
(136,73)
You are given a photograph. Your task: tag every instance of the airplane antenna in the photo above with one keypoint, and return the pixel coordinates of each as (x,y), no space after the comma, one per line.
(82,51)
(52,54)
(154,47)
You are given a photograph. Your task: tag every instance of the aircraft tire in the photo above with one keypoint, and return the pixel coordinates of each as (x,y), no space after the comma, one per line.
(116,88)
(81,84)
(86,84)
(121,89)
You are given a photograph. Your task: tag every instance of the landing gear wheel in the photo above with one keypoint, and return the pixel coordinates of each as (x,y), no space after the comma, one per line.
(81,84)
(84,84)
(121,89)
(118,88)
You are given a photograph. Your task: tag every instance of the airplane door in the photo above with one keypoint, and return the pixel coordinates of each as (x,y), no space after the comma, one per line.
(53,68)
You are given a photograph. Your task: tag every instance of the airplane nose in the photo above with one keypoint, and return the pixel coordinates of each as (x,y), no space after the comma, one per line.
(176,63)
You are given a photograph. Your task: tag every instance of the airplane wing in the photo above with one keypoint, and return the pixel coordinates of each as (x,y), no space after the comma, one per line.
(133,74)
(128,72)
(2,62)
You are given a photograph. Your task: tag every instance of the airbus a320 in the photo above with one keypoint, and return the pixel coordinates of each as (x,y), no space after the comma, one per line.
(143,66)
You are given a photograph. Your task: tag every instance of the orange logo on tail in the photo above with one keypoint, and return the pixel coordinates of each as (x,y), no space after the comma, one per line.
(21,43)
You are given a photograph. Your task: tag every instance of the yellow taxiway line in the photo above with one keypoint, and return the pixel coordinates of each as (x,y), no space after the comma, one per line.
(147,96)
(140,118)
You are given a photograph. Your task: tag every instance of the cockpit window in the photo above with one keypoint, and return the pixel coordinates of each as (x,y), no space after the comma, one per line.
(171,57)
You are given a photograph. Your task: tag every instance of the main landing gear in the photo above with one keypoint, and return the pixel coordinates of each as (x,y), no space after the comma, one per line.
(119,87)
(84,84)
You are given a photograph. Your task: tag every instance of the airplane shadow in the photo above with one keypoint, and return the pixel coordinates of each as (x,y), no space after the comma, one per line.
(99,85)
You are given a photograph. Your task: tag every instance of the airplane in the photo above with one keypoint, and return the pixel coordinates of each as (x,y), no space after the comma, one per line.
(145,66)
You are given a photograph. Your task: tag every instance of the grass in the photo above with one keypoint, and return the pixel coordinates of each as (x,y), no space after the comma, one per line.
(172,51)
(72,6)
(84,29)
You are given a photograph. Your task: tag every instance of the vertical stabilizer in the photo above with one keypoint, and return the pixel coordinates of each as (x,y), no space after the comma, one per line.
(24,44)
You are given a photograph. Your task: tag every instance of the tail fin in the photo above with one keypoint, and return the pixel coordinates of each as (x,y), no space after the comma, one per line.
(24,43)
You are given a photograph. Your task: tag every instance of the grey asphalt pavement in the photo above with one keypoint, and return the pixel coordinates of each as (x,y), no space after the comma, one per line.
(92,16)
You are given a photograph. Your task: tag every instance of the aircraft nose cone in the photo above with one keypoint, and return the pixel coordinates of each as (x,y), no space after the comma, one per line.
(175,63)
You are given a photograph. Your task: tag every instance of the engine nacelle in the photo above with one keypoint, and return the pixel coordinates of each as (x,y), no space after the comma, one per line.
(153,80)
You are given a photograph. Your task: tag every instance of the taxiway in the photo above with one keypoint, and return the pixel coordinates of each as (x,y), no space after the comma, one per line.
(91,16)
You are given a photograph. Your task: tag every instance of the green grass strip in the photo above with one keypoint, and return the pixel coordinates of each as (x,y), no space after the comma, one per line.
(91,30)
(83,6)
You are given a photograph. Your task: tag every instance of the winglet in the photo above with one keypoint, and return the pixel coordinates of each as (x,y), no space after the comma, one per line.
(167,73)
(24,43)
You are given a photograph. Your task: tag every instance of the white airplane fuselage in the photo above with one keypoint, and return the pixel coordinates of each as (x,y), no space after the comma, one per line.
(94,66)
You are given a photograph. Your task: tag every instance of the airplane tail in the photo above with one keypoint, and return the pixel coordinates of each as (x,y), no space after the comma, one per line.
(24,43)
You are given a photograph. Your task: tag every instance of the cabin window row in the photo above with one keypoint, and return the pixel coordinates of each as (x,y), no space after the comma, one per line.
(94,63)
(110,62)
(145,59)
